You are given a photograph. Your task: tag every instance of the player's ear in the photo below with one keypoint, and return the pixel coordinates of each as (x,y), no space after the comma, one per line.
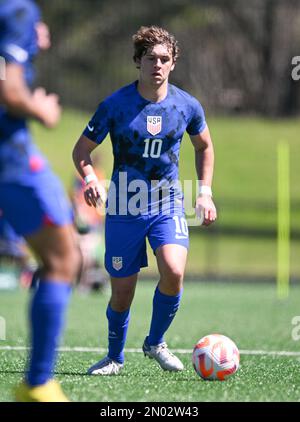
(173,66)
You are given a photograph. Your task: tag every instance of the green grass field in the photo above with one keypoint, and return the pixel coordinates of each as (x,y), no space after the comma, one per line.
(250,314)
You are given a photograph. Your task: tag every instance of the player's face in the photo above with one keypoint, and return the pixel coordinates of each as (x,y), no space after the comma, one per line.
(156,65)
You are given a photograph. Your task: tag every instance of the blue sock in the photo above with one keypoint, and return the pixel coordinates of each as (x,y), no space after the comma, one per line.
(164,310)
(117,332)
(46,320)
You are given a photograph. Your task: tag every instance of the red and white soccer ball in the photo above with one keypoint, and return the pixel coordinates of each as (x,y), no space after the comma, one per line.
(215,357)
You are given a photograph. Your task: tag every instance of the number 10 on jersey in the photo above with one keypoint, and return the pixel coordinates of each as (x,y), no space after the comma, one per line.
(152,148)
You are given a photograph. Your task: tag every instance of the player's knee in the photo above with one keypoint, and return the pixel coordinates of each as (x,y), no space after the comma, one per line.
(121,300)
(174,275)
(120,304)
(171,281)
(65,265)
(72,262)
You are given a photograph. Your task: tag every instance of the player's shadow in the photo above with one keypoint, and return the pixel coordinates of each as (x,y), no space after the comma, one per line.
(182,378)
(6,371)
(71,373)
(122,375)
(21,371)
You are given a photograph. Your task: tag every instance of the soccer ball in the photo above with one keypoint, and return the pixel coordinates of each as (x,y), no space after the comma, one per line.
(215,357)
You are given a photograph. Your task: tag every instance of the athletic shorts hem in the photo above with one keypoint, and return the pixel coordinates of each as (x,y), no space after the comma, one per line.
(130,273)
(170,243)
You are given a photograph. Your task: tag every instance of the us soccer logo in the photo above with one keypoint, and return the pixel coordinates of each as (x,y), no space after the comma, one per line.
(154,124)
(117,262)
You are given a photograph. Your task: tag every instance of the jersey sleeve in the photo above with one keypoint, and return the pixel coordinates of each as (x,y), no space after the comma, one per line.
(197,123)
(99,125)
(18,34)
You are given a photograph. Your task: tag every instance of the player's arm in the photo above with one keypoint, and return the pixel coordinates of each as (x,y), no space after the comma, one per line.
(204,160)
(20,101)
(94,191)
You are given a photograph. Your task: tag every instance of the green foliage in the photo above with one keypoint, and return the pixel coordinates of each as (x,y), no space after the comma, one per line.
(235,55)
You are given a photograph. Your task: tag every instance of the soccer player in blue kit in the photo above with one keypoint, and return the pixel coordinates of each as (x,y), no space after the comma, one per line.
(146,121)
(32,199)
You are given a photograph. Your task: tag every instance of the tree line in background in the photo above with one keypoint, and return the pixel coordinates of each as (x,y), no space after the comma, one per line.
(236,56)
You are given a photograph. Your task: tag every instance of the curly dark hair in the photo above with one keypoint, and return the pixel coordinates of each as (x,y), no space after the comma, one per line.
(148,36)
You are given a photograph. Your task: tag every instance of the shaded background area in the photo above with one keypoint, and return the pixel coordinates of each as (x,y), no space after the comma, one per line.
(236,58)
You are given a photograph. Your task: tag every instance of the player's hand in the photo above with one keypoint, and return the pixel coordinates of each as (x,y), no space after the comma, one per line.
(49,110)
(95,194)
(205,210)
(43,35)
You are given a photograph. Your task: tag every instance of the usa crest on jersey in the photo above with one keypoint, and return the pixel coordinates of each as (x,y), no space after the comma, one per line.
(117,262)
(154,124)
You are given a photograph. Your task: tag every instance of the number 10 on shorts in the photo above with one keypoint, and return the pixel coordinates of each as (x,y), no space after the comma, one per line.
(181,227)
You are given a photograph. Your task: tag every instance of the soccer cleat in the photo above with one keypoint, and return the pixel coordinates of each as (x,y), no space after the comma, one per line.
(105,366)
(163,356)
(48,392)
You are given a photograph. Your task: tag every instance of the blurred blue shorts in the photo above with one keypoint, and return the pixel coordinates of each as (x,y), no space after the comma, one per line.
(38,201)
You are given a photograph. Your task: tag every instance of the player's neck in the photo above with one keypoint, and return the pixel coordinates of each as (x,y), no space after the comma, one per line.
(153,93)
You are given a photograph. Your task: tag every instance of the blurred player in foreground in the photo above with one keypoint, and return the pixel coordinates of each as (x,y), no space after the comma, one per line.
(31,197)
(146,121)
(16,267)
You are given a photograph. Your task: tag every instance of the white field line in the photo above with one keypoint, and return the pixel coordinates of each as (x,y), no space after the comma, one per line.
(180,351)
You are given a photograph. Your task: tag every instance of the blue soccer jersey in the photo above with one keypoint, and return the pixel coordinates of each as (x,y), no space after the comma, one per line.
(19,157)
(31,196)
(146,139)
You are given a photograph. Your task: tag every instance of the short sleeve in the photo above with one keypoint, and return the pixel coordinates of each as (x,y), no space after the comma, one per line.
(99,125)
(197,123)
(18,34)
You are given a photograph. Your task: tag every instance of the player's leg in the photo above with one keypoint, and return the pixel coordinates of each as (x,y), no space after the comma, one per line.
(118,316)
(171,260)
(125,255)
(56,250)
(46,224)
(59,257)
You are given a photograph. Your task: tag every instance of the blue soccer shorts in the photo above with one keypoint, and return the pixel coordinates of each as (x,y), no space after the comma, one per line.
(38,201)
(125,240)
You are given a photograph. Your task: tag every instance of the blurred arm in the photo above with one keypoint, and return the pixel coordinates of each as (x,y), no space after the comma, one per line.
(20,101)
